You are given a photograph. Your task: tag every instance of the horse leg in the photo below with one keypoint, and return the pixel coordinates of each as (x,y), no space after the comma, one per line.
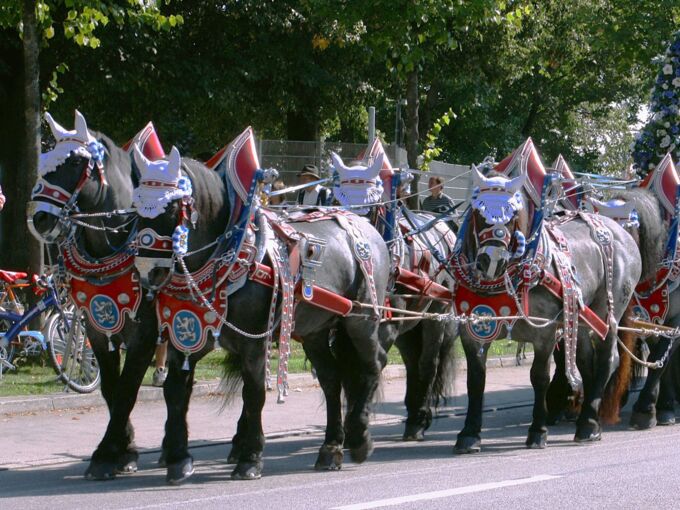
(117,452)
(361,373)
(327,371)
(102,465)
(644,410)
(596,362)
(250,438)
(410,347)
(665,405)
(177,392)
(469,439)
(540,379)
(559,391)
(236,441)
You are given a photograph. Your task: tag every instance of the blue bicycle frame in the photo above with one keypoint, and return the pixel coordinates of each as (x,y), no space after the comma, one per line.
(19,322)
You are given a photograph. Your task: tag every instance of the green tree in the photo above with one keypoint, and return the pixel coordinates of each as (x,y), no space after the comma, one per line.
(25,27)
(569,62)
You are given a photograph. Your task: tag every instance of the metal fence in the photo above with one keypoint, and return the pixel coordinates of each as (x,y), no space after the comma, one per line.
(288,157)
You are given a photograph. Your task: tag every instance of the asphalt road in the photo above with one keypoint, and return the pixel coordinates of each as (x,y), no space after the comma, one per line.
(42,459)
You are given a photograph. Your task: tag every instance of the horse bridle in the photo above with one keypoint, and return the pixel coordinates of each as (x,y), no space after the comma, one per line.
(500,233)
(53,200)
(149,239)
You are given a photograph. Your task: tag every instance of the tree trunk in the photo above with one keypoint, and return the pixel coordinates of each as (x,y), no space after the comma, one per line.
(412,133)
(29,256)
(528,126)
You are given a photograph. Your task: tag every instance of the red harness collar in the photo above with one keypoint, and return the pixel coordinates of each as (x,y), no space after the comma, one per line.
(106,290)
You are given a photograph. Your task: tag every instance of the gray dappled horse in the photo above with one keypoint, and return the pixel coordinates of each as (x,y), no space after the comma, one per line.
(352,362)
(493,239)
(426,345)
(87,173)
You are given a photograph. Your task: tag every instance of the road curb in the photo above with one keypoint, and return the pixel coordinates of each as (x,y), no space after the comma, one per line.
(63,401)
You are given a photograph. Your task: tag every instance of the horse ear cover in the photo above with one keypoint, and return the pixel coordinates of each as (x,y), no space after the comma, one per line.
(58,131)
(337,161)
(140,160)
(81,127)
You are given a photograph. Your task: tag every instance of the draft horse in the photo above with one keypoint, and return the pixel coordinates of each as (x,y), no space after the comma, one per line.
(229,276)
(87,174)
(419,247)
(536,279)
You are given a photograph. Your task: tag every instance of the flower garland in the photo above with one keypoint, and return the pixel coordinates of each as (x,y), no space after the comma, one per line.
(661,135)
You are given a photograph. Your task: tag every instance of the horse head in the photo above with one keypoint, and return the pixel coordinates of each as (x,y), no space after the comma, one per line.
(497,222)
(357,185)
(74,177)
(164,203)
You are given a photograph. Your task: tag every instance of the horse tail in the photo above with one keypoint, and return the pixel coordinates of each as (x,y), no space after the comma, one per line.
(446,369)
(616,390)
(231,377)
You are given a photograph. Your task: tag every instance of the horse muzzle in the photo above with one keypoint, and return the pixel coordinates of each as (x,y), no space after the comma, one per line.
(47,222)
(154,272)
(491,261)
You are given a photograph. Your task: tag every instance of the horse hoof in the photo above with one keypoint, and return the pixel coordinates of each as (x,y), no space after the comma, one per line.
(247,470)
(665,417)
(536,440)
(362,452)
(467,444)
(595,436)
(330,458)
(642,421)
(414,433)
(180,471)
(588,433)
(127,463)
(101,471)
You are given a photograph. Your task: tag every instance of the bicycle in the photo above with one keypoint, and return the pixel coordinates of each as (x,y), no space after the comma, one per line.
(63,336)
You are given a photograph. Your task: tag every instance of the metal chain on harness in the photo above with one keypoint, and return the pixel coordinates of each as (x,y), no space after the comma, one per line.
(194,287)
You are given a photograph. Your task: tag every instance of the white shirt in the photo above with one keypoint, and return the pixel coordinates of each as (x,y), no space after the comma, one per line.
(310,195)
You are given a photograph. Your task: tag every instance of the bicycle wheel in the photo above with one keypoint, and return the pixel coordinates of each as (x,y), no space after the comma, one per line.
(70,351)
(7,350)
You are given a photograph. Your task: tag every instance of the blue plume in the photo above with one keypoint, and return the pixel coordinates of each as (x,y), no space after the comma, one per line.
(180,240)
(521,244)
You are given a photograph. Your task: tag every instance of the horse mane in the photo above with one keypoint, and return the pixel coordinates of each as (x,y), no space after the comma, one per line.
(211,201)
(652,232)
(118,157)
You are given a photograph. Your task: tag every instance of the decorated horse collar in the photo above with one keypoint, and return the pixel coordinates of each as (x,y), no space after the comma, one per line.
(81,265)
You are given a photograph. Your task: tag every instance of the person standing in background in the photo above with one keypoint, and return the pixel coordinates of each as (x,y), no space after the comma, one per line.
(313,195)
(278,185)
(438,202)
